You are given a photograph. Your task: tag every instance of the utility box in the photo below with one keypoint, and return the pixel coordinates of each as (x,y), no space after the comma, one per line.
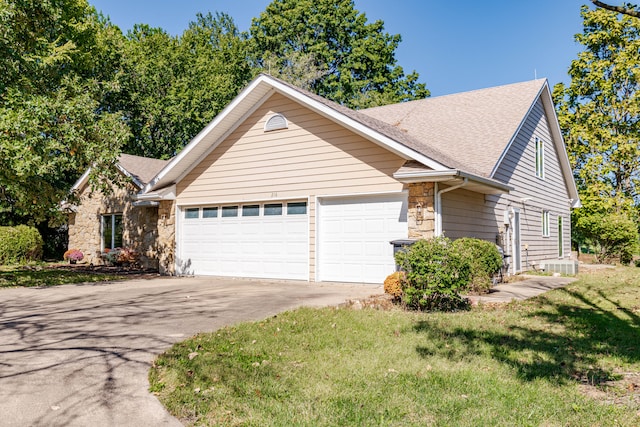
(401,245)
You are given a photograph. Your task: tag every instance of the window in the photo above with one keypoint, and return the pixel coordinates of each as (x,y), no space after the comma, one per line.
(545,223)
(209,212)
(276,122)
(539,158)
(297,208)
(111,231)
(251,210)
(192,213)
(560,238)
(229,211)
(273,209)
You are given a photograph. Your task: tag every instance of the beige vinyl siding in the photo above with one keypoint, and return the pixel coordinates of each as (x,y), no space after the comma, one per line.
(314,156)
(467,214)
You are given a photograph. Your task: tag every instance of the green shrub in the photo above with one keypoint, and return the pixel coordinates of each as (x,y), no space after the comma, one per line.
(20,244)
(484,259)
(435,274)
(613,236)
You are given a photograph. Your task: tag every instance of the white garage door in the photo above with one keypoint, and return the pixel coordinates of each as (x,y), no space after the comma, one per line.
(264,240)
(354,236)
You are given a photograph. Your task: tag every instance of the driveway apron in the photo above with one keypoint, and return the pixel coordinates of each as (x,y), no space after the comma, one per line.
(78,355)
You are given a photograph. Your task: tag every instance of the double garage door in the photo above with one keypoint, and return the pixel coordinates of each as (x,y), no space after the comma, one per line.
(271,240)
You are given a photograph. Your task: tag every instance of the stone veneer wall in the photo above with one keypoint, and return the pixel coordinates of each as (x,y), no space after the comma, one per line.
(140,225)
(421,193)
(166,241)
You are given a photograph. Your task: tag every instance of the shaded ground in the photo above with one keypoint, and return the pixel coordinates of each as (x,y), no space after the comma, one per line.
(78,355)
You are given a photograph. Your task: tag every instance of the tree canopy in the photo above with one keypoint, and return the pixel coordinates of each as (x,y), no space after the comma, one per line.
(599,113)
(75,91)
(348,59)
(173,86)
(57,66)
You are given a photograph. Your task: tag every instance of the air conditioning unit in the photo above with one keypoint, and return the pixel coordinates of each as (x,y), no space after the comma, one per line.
(562,266)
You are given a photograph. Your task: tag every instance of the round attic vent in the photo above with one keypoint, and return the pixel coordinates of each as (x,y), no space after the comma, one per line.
(276,122)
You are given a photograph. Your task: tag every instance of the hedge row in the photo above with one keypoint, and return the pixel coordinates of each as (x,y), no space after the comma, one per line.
(20,244)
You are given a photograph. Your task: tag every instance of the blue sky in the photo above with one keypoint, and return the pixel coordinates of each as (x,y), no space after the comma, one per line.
(454,46)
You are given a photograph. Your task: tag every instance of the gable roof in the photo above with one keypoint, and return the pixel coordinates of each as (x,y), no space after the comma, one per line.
(478,127)
(473,127)
(390,137)
(140,169)
(453,137)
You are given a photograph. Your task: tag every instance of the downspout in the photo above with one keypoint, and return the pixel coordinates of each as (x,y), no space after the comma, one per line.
(438,204)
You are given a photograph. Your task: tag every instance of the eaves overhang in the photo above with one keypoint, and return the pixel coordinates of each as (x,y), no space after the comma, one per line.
(453,177)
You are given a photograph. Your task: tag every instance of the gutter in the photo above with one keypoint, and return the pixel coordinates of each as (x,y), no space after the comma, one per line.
(438,204)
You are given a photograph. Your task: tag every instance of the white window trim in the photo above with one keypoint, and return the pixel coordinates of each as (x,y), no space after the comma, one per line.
(112,216)
(539,158)
(560,225)
(545,224)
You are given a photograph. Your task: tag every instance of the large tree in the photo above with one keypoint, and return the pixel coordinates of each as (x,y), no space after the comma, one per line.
(57,61)
(331,48)
(599,113)
(173,86)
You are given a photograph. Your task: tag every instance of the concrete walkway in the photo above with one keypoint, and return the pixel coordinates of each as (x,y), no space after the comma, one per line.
(521,290)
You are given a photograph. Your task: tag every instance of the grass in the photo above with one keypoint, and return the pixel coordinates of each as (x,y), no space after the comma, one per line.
(47,275)
(570,357)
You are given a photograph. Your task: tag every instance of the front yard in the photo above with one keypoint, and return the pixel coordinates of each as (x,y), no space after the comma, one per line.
(568,357)
(39,275)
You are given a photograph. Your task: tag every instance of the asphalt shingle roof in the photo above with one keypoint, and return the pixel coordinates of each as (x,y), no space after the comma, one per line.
(141,168)
(472,128)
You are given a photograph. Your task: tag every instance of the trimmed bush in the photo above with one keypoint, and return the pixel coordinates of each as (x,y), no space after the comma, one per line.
(435,274)
(393,284)
(20,244)
(484,259)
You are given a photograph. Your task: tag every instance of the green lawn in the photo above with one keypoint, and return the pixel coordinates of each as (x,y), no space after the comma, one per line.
(47,275)
(568,358)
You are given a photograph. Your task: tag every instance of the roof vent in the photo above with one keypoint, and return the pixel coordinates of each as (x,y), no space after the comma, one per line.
(276,122)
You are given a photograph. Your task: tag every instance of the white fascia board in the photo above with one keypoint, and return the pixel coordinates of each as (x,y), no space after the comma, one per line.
(544,94)
(357,127)
(81,181)
(229,131)
(193,144)
(446,175)
(324,110)
(167,193)
(563,157)
(126,173)
(515,134)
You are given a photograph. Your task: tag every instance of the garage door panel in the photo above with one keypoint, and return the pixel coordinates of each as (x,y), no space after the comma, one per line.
(252,246)
(354,236)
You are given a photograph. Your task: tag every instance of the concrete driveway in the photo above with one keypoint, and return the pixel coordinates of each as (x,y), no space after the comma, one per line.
(78,355)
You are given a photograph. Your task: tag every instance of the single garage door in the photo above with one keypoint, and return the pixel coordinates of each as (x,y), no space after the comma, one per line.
(263,240)
(354,236)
